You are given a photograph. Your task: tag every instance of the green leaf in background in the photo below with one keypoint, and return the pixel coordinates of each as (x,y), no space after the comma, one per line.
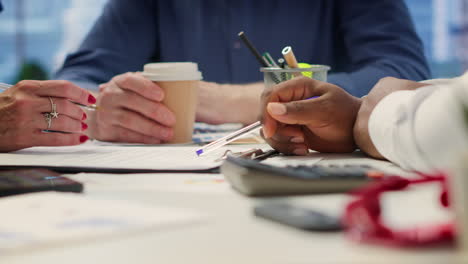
(31,71)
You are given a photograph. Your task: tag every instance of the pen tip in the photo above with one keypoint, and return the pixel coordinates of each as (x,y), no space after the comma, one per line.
(199,152)
(241,33)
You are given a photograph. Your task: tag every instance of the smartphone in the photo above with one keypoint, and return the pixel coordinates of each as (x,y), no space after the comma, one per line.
(298,217)
(35,180)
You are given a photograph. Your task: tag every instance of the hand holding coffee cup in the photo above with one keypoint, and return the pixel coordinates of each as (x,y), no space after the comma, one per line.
(179,81)
(134,112)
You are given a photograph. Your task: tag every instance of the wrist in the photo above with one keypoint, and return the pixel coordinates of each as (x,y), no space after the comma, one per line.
(90,121)
(361,130)
(243,104)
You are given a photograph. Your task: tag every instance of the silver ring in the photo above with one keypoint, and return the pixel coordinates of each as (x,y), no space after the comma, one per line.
(48,119)
(53,113)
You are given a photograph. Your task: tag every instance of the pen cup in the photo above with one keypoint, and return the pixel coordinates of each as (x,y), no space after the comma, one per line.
(272,75)
(179,80)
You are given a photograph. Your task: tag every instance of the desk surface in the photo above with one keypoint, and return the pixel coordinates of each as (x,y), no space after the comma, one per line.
(230,233)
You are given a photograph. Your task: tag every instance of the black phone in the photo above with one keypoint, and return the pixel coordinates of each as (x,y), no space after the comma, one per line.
(35,180)
(297,216)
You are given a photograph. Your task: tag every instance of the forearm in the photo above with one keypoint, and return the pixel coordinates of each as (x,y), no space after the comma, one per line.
(379,120)
(379,44)
(359,82)
(244,104)
(229,103)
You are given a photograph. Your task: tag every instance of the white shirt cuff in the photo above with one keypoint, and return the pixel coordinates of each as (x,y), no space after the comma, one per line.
(383,121)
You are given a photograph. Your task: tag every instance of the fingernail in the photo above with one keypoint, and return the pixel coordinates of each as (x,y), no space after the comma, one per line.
(159,95)
(166,134)
(277,109)
(91,99)
(84,117)
(300,152)
(297,140)
(84,126)
(83,138)
(170,118)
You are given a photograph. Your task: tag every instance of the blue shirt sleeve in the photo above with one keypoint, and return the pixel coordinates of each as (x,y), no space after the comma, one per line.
(381,41)
(119,42)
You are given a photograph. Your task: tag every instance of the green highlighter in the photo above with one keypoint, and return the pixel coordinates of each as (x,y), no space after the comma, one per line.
(306,65)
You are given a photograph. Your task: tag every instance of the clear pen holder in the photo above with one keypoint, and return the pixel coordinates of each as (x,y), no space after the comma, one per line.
(273,75)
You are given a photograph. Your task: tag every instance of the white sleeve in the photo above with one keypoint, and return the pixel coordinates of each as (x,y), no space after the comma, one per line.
(422,129)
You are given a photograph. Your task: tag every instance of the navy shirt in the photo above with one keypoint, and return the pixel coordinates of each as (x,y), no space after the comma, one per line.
(362,40)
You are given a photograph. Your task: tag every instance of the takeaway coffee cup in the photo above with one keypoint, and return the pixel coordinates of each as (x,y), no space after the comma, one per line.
(179,80)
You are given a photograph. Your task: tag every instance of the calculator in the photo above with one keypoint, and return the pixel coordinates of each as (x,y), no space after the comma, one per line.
(254,178)
(35,180)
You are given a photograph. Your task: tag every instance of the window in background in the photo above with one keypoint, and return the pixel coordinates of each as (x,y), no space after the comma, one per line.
(437,23)
(52,28)
(38,32)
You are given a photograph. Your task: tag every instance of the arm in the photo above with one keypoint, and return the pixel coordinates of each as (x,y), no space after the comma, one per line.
(416,127)
(217,101)
(380,41)
(122,40)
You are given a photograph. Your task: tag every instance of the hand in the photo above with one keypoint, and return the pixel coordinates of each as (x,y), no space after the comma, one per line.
(383,88)
(293,123)
(131,110)
(22,109)
(228,103)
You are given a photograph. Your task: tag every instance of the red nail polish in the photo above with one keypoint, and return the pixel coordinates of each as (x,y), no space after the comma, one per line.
(83,139)
(91,99)
(84,116)
(84,126)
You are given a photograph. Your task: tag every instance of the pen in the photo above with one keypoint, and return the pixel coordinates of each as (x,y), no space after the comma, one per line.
(4,86)
(229,138)
(254,51)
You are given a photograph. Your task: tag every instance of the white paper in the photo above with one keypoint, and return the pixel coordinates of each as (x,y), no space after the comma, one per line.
(155,157)
(46,218)
(161,182)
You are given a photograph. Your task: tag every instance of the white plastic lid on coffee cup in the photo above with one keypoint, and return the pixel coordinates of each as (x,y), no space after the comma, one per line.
(172,71)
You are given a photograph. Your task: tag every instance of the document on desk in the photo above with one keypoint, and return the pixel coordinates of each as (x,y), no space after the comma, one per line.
(114,158)
(52,218)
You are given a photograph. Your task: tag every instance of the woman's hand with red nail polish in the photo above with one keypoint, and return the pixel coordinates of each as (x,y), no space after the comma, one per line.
(23,111)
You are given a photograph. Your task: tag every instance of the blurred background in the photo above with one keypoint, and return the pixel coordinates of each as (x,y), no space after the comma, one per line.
(35,35)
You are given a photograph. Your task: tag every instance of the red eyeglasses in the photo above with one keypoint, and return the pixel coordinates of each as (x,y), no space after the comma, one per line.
(363,218)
